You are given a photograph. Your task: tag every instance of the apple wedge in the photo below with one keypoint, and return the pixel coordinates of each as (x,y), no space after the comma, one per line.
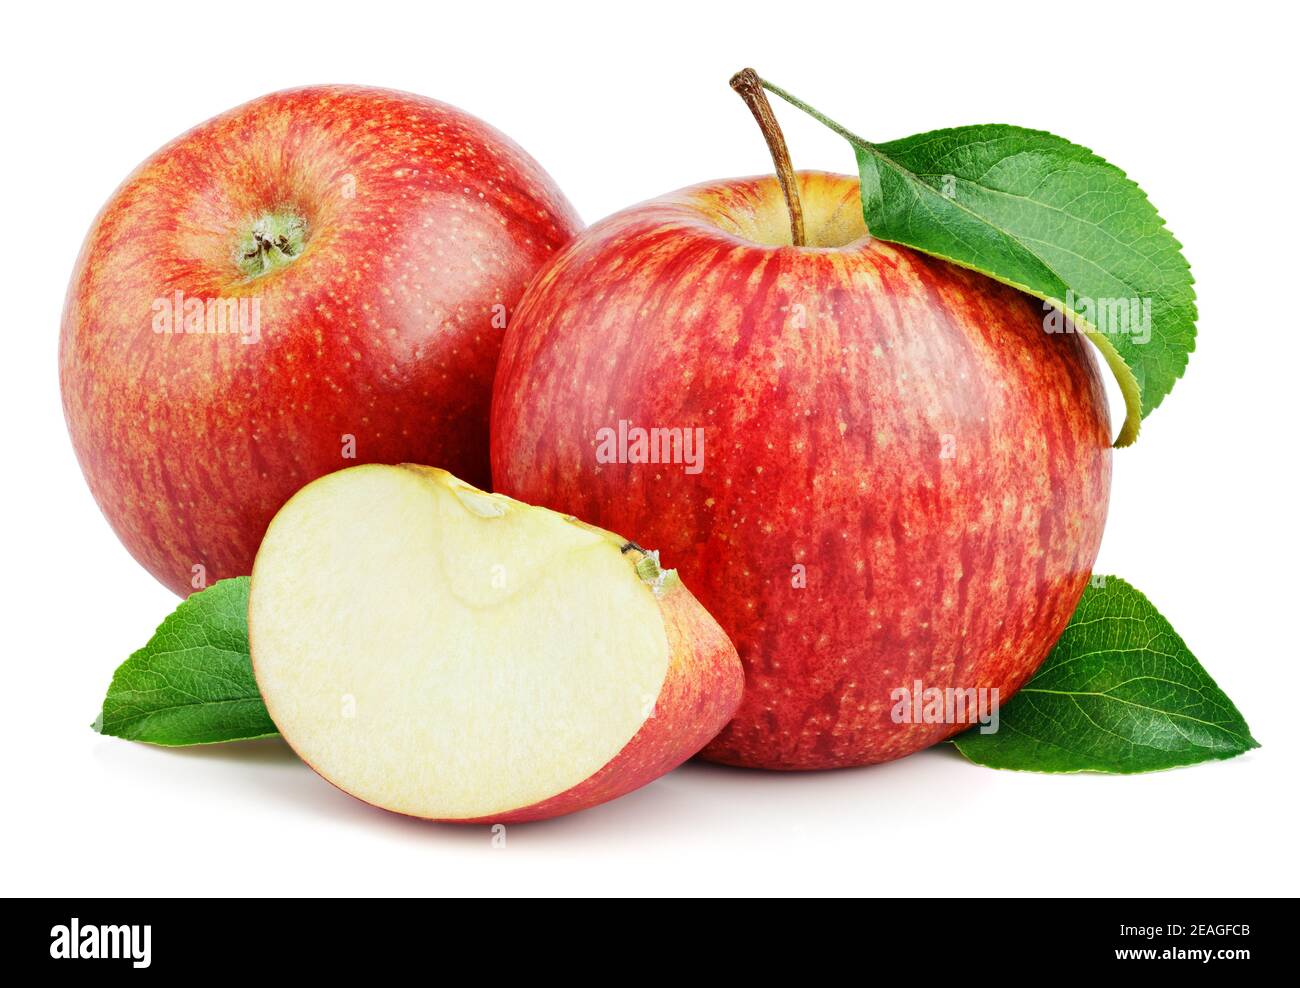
(450,654)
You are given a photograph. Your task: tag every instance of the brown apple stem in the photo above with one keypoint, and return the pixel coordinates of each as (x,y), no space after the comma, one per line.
(750,87)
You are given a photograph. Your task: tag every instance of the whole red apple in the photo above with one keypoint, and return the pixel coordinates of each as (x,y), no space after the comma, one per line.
(875,469)
(318,278)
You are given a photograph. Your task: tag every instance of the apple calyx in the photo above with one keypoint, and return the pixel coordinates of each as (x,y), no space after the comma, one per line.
(270,241)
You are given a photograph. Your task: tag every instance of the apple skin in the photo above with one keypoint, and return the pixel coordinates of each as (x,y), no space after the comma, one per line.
(420,219)
(905,478)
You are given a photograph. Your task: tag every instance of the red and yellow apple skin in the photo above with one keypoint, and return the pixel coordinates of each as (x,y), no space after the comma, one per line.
(378,338)
(905,478)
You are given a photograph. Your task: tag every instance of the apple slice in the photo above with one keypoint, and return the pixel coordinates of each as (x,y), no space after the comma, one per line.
(446,653)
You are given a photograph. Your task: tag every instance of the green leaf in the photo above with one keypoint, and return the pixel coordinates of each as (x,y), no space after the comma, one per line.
(193,683)
(1120,692)
(1051,219)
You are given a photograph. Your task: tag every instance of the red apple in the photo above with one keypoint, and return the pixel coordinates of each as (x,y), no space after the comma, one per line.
(903,478)
(318,278)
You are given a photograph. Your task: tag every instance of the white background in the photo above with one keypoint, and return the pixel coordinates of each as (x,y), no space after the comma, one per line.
(619,106)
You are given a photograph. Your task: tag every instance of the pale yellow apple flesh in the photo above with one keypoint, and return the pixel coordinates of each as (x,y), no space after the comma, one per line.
(450,654)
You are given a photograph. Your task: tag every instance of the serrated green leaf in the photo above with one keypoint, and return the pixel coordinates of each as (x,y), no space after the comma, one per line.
(1051,219)
(193,682)
(1120,692)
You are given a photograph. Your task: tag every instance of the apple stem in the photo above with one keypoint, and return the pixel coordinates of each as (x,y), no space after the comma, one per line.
(750,87)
